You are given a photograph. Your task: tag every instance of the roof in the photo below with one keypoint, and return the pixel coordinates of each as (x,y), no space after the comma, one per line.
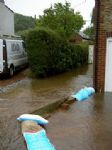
(84,36)
(12,37)
(9,8)
(2,1)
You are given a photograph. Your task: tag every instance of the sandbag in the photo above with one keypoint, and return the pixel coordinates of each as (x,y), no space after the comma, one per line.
(83,94)
(40,120)
(37,141)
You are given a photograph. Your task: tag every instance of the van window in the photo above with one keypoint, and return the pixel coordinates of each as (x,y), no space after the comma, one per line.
(4,51)
(15,47)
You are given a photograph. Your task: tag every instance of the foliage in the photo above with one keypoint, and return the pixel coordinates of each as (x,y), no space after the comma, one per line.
(23,22)
(89,31)
(93,16)
(24,34)
(62,19)
(49,54)
(85,47)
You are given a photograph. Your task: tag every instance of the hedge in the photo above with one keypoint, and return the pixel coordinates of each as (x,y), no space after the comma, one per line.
(49,54)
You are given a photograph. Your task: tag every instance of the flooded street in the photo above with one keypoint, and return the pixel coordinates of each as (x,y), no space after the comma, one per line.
(25,95)
(84,126)
(69,80)
(19,75)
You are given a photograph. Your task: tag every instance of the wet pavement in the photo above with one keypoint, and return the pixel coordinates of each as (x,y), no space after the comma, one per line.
(86,125)
(19,75)
(27,95)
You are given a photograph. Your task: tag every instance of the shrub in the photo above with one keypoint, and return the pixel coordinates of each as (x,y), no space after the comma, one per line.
(85,48)
(49,54)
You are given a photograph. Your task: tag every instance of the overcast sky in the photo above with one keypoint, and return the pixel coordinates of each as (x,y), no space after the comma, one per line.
(36,7)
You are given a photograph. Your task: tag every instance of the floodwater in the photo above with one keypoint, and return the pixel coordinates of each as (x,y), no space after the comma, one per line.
(25,95)
(69,80)
(84,126)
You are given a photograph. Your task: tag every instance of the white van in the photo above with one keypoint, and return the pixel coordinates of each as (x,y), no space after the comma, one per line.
(12,55)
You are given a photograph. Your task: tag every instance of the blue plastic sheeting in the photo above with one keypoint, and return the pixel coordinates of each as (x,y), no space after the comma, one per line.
(83,94)
(37,141)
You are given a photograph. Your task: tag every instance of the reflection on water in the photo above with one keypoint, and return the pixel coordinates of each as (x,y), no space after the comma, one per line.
(87,125)
(72,80)
(26,96)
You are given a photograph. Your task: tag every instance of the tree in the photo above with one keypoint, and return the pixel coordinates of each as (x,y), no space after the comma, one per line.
(62,19)
(89,31)
(93,16)
(23,22)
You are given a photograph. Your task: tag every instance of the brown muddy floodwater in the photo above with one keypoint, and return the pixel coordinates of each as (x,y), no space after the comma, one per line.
(26,95)
(85,125)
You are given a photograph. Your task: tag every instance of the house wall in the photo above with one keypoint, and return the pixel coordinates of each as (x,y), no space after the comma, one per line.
(6,20)
(103,31)
(76,39)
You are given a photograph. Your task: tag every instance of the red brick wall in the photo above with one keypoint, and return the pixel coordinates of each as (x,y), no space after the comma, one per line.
(103,30)
(76,39)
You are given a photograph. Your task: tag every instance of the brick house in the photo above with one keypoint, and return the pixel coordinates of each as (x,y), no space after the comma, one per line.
(77,38)
(6,20)
(103,47)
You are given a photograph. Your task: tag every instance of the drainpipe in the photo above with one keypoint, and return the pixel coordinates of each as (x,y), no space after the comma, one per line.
(97,27)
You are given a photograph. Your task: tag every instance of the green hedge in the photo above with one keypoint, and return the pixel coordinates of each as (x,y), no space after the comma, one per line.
(49,54)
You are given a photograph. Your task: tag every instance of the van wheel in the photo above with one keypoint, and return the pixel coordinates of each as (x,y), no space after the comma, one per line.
(11,71)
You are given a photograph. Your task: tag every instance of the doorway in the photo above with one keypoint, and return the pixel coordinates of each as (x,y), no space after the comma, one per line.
(108,66)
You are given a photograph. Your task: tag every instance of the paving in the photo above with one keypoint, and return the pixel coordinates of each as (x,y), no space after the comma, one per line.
(85,125)
(13,104)
(27,95)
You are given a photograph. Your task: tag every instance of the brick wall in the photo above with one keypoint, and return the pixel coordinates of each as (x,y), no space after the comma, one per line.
(103,31)
(76,39)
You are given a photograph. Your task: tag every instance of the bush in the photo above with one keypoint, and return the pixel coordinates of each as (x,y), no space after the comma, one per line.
(85,51)
(49,54)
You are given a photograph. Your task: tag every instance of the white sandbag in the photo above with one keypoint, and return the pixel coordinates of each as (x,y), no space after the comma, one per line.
(40,120)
